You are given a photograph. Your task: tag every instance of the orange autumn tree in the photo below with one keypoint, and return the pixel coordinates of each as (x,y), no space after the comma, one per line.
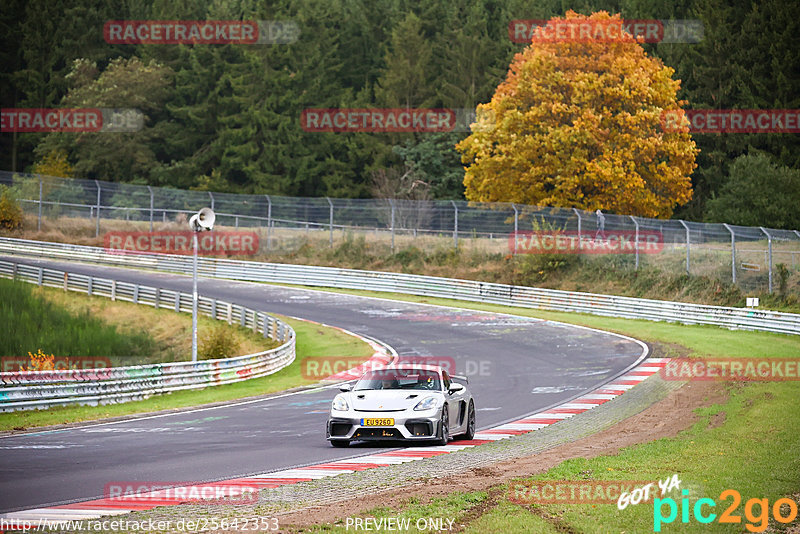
(577,123)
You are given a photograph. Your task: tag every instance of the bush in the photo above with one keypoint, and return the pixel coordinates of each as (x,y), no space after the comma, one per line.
(410,257)
(536,268)
(783,277)
(10,213)
(217,343)
(353,249)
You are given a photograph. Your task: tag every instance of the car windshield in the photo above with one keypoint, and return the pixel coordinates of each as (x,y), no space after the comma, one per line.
(399,379)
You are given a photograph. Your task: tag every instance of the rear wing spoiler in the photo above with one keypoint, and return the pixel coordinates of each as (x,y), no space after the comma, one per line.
(461,377)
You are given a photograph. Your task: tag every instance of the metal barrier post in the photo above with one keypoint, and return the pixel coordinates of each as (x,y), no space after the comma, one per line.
(687,244)
(733,252)
(97,223)
(39,223)
(151,207)
(211,196)
(455,225)
(769,261)
(330,221)
(516,226)
(578,215)
(391,203)
(269,223)
(636,243)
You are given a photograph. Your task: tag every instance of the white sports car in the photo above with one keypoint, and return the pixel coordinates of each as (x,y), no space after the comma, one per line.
(403,402)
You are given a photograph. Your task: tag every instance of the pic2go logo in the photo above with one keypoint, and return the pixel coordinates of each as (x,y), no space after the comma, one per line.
(757,523)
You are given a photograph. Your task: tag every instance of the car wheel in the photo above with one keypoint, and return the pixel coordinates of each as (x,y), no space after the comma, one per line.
(340,442)
(445,428)
(470,433)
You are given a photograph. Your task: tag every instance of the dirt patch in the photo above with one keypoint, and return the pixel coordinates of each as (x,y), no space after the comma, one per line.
(557,522)
(476,512)
(664,419)
(716,420)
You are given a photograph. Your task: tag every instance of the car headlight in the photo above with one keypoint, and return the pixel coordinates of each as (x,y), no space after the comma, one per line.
(426,404)
(339,404)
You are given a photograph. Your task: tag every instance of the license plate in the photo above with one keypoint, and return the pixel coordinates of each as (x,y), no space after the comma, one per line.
(378,421)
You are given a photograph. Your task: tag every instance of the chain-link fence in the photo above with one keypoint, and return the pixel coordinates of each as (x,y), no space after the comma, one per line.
(757,259)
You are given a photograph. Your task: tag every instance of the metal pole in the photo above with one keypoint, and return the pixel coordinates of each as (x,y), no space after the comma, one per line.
(578,215)
(194,297)
(151,207)
(798,235)
(455,225)
(733,252)
(686,226)
(39,224)
(97,223)
(769,261)
(391,203)
(330,221)
(269,223)
(211,196)
(636,243)
(516,226)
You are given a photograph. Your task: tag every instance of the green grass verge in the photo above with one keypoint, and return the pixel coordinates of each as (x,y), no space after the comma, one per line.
(35,322)
(754,450)
(138,334)
(313,341)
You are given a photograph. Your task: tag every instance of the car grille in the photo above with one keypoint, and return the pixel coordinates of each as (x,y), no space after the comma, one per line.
(377,433)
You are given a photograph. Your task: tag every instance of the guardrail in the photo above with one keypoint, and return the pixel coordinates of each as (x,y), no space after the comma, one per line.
(23,390)
(469,290)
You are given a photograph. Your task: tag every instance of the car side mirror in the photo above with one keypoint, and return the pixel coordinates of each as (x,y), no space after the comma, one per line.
(455,388)
(344,388)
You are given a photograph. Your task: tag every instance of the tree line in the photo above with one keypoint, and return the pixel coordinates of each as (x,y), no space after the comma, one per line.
(227,117)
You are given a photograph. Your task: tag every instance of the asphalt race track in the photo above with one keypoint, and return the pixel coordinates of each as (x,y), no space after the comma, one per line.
(516,366)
